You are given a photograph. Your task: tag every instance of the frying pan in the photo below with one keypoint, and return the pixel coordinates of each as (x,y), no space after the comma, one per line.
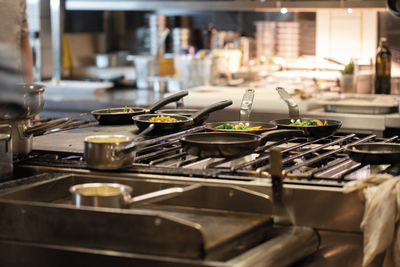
(374,153)
(116,116)
(264,126)
(315,131)
(188,112)
(229,144)
(142,121)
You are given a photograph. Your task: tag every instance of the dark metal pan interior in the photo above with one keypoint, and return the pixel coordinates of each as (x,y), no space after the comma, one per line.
(264,126)
(220,144)
(375,153)
(115,116)
(315,131)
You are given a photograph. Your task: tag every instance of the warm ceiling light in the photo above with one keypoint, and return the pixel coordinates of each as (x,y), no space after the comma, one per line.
(349,10)
(284,10)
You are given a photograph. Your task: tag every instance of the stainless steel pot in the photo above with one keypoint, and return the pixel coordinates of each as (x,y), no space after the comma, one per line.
(101,151)
(113,195)
(29,104)
(111,152)
(6,153)
(23,131)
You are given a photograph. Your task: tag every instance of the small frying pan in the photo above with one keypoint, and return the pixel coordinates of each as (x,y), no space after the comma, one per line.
(188,112)
(316,131)
(183,122)
(117,116)
(264,127)
(374,153)
(232,144)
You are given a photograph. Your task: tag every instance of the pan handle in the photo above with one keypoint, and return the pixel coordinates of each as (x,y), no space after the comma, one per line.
(247,102)
(293,107)
(132,146)
(266,136)
(175,97)
(207,110)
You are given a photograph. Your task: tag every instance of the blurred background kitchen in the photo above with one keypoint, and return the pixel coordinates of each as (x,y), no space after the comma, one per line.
(116,53)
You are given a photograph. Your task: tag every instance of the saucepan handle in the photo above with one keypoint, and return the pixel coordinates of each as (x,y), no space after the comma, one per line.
(266,136)
(134,145)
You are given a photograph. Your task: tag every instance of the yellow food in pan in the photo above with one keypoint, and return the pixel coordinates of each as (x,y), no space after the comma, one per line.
(163,119)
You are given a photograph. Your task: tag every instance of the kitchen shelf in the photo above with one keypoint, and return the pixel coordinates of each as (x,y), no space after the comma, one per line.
(131,5)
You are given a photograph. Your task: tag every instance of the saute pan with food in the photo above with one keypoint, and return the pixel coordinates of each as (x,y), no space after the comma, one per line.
(175,123)
(374,153)
(119,116)
(230,144)
(243,125)
(316,128)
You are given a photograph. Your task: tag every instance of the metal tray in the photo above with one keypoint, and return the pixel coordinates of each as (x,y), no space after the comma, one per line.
(360,104)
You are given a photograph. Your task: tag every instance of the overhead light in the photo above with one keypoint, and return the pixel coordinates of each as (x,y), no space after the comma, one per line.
(284,10)
(349,10)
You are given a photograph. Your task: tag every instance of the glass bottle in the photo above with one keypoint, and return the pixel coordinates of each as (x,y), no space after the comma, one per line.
(382,68)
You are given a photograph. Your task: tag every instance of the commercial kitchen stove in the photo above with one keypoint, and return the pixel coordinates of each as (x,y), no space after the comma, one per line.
(303,176)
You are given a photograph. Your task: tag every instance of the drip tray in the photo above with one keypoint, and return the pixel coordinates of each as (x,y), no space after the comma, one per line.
(206,222)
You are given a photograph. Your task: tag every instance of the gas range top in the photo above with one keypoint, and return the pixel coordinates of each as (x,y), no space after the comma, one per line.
(306,161)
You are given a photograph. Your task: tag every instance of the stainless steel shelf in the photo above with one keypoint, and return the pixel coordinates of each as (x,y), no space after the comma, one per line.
(217,5)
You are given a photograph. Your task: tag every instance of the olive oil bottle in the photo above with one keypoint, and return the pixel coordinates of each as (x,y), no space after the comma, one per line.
(383,68)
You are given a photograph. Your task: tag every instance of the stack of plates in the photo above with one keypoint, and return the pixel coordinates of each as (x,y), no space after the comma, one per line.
(288,39)
(265,38)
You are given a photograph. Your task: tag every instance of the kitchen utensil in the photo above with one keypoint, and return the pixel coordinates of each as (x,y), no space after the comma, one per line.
(6,152)
(244,116)
(117,116)
(143,121)
(374,153)
(111,152)
(232,144)
(30,104)
(316,131)
(23,131)
(114,195)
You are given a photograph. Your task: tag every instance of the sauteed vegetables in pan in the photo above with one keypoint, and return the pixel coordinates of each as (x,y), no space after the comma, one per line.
(310,123)
(238,127)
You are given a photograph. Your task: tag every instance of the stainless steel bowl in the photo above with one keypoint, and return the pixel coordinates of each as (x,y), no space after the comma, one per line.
(29,104)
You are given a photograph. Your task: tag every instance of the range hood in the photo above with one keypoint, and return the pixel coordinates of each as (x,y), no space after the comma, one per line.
(220,5)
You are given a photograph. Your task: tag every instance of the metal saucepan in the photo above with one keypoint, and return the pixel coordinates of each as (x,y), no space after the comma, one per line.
(183,122)
(23,132)
(230,144)
(211,126)
(110,152)
(374,153)
(6,152)
(117,116)
(327,128)
(114,195)
(30,102)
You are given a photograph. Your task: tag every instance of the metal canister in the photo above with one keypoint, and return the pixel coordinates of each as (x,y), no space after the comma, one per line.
(6,153)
